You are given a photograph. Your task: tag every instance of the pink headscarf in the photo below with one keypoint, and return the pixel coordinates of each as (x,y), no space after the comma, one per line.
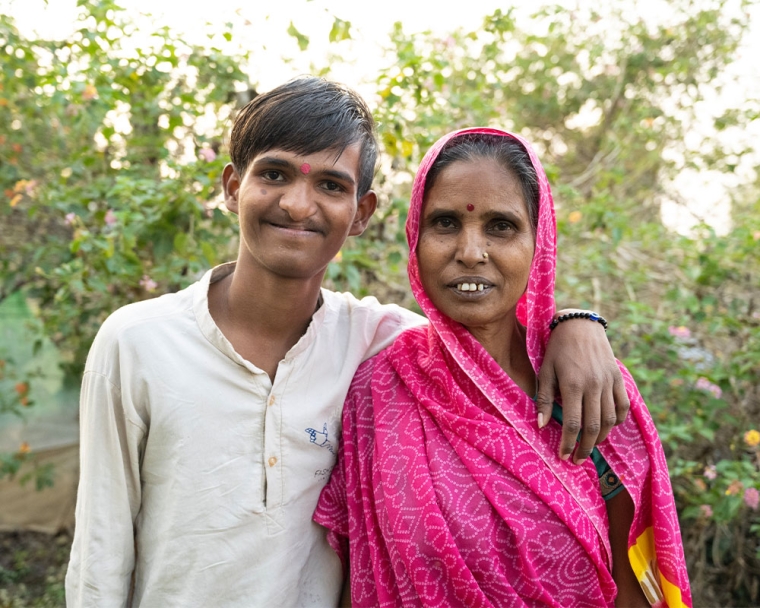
(449,495)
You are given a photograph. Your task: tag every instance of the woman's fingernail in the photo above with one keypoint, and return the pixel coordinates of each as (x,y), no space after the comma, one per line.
(564,456)
(540,420)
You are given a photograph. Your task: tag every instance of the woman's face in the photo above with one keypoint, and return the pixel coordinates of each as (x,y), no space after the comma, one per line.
(475,207)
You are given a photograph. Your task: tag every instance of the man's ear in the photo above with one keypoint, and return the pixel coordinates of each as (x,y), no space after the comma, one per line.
(364,210)
(231,182)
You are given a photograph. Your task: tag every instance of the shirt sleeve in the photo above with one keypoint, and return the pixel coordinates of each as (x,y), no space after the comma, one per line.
(389,321)
(108,500)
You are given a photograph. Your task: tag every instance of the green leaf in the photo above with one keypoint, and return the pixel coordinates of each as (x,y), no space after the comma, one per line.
(341,30)
(303,41)
(209,253)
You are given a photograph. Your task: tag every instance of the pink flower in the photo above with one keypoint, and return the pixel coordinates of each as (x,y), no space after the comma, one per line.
(148,284)
(710,472)
(70,218)
(207,154)
(30,187)
(752,498)
(704,384)
(680,331)
(706,510)
(110,217)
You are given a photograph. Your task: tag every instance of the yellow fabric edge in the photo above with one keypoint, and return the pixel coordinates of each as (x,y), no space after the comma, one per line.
(641,554)
(672,593)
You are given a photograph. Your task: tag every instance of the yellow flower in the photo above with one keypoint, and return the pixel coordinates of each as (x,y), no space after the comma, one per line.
(752,438)
(574,217)
(24,448)
(89,92)
(338,257)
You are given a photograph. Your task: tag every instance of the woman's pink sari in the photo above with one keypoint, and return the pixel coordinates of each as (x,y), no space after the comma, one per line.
(447,494)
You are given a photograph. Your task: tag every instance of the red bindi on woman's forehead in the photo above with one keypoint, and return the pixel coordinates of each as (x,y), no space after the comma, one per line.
(305,168)
(470,207)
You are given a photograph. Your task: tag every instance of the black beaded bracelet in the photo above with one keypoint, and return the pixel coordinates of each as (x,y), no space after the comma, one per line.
(591,316)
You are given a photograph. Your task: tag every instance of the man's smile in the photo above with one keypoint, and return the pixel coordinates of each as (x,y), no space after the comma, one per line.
(295,229)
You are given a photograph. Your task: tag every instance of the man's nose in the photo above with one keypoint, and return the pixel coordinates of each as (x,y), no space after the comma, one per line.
(298,201)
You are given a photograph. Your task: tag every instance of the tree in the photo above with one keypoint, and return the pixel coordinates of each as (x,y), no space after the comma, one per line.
(109,182)
(609,115)
(109,171)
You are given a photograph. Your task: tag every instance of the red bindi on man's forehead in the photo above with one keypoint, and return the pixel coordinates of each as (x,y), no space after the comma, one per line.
(305,168)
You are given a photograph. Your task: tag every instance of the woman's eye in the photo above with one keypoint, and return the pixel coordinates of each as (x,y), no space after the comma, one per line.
(445,222)
(502,226)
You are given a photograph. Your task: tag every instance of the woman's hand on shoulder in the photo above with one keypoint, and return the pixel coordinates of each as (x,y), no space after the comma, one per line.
(579,366)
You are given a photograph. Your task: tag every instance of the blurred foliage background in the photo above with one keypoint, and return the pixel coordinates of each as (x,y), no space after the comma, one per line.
(110,165)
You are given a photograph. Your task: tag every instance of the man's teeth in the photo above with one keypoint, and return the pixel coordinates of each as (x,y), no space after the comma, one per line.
(470,286)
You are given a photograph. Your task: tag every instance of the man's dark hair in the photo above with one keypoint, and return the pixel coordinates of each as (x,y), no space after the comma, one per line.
(506,151)
(306,115)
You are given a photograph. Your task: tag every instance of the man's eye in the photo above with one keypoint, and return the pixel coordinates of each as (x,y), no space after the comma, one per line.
(333,186)
(272,175)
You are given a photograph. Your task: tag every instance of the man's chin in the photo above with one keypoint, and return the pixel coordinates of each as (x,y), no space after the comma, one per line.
(298,269)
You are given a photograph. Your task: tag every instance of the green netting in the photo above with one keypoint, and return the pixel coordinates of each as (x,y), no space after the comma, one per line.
(51,420)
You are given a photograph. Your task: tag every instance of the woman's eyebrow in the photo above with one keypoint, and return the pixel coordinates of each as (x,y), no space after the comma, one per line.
(506,214)
(441,212)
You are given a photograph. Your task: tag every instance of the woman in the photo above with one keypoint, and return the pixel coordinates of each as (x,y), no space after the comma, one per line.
(446,492)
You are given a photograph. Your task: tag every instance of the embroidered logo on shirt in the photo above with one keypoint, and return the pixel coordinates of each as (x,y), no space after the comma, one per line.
(323,474)
(320,438)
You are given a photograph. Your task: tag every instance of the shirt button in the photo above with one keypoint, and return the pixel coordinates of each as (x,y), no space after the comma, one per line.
(271,400)
(272,461)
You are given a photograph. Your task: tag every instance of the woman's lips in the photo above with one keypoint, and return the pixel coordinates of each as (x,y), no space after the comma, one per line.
(470,285)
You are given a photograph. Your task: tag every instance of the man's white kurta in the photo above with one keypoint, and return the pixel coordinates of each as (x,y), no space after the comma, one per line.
(200,475)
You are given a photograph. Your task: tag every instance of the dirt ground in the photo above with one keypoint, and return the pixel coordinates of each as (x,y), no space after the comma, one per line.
(32,569)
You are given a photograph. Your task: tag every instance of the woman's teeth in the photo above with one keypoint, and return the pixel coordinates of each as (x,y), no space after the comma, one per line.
(470,286)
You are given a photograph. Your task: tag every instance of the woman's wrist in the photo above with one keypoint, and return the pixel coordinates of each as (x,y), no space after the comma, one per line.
(567,314)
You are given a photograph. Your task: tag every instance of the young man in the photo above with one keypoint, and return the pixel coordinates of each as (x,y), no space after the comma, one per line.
(210,418)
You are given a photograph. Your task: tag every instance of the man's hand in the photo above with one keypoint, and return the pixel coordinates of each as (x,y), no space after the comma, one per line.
(580,366)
